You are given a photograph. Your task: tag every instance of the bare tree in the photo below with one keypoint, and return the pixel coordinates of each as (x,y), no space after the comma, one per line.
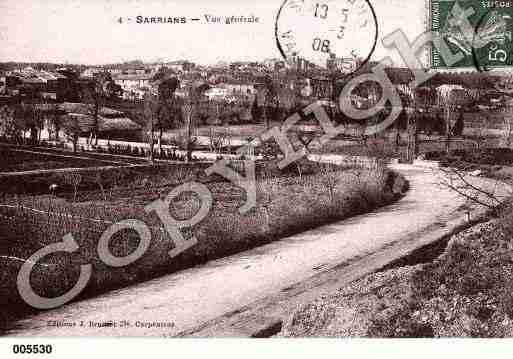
(9,125)
(55,120)
(189,111)
(37,123)
(330,178)
(95,95)
(151,106)
(508,127)
(445,102)
(479,136)
(115,179)
(72,129)
(410,99)
(490,195)
(267,190)
(272,101)
(452,98)
(460,182)
(167,115)
(74,179)
(505,86)
(99,181)
(217,139)
(28,118)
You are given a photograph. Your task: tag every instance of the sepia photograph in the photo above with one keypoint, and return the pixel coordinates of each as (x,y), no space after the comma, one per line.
(281,169)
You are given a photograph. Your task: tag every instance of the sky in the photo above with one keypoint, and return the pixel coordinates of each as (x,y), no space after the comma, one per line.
(88,31)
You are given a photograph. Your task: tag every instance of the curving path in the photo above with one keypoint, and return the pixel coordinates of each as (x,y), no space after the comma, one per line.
(216,299)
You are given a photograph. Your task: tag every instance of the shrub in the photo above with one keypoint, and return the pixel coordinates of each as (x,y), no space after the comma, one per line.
(399,324)
(506,299)
(426,282)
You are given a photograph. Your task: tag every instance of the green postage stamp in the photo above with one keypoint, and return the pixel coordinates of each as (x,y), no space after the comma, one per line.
(481,30)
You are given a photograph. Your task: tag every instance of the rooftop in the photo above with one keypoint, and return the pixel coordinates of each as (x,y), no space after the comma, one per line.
(132,77)
(86,123)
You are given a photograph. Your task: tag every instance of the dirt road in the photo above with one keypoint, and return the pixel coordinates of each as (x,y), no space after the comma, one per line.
(190,298)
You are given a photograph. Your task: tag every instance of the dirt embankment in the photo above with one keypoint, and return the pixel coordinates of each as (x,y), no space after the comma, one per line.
(466,292)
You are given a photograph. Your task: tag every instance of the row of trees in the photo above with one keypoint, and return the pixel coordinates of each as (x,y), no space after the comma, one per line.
(164,110)
(31,112)
(27,118)
(158,111)
(161,109)
(96,93)
(452,99)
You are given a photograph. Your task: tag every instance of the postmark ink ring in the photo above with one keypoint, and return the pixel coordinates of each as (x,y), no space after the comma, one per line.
(335,35)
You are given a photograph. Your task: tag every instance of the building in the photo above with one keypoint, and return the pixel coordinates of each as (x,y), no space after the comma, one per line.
(55,84)
(133,85)
(238,88)
(342,64)
(217,93)
(272,64)
(29,82)
(180,66)
(90,72)
(115,71)
(302,65)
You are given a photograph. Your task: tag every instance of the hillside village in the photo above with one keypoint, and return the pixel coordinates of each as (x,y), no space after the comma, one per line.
(240,93)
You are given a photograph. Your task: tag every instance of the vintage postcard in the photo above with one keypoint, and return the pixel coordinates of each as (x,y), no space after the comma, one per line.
(273,169)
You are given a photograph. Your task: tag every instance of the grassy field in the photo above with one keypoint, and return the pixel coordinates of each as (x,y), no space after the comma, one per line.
(93,155)
(383,147)
(482,158)
(286,204)
(16,160)
(237,131)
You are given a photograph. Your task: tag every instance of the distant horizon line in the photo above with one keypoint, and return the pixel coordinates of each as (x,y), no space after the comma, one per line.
(495,71)
(68,63)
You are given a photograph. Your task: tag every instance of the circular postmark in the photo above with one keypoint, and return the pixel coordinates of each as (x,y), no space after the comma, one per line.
(335,35)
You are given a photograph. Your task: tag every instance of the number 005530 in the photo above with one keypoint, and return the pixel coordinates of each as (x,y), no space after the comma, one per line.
(32,349)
